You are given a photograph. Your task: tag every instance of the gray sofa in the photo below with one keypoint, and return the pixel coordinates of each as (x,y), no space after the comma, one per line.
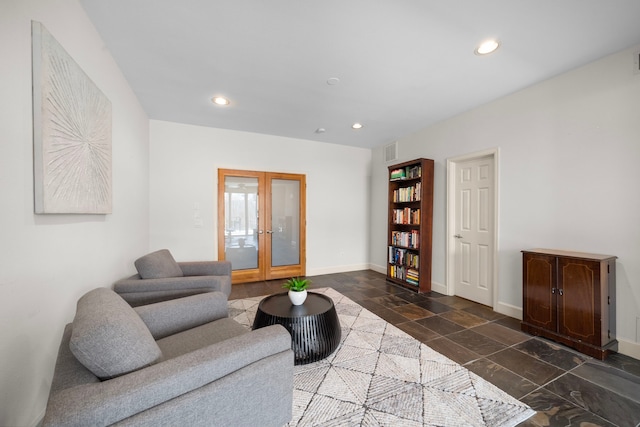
(180,362)
(161,278)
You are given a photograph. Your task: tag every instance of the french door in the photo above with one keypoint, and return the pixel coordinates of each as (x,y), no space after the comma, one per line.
(261,224)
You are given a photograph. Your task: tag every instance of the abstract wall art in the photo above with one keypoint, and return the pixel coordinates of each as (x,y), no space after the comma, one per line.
(71,133)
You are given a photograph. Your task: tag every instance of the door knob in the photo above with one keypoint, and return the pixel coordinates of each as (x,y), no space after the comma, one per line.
(457,236)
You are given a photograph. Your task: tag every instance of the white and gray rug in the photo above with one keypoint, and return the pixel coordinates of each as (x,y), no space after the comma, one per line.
(381,376)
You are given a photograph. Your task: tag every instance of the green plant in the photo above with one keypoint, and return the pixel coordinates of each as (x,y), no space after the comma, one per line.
(296,284)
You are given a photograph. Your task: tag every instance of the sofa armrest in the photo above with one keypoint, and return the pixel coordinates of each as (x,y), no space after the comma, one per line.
(206,268)
(136,284)
(110,401)
(170,317)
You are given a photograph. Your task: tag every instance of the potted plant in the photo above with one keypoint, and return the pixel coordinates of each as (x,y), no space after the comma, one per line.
(297,289)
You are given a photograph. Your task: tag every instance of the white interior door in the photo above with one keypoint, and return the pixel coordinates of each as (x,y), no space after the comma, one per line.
(473,228)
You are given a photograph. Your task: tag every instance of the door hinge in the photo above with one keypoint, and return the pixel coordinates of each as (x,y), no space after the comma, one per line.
(608,300)
(608,333)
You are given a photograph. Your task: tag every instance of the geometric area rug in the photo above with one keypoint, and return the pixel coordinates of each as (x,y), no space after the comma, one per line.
(381,376)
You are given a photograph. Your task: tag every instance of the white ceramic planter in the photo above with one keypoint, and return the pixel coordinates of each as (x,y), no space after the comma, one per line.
(297,298)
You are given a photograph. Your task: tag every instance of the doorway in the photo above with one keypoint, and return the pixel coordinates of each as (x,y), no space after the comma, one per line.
(261,224)
(472,226)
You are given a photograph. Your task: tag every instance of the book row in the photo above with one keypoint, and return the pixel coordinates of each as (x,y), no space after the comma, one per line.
(407,239)
(406,216)
(407,274)
(403,257)
(407,194)
(408,172)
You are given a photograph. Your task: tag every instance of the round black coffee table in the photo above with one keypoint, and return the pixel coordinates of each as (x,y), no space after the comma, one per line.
(314,325)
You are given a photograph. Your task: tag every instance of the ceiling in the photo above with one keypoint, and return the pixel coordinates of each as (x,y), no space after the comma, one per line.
(402,65)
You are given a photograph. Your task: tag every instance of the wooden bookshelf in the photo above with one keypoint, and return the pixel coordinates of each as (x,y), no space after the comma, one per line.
(410,224)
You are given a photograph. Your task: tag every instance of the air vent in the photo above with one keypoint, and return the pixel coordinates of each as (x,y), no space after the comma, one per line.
(391,152)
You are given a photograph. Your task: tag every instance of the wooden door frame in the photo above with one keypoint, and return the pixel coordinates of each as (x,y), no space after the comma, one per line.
(452,170)
(263,238)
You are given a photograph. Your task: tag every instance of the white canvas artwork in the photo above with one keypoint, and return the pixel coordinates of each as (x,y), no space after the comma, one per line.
(71,133)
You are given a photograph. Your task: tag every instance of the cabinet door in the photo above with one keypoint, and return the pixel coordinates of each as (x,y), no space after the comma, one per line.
(578,305)
(539,274)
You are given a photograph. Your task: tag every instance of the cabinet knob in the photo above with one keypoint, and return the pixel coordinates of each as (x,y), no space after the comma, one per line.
(457,236)
(560,292)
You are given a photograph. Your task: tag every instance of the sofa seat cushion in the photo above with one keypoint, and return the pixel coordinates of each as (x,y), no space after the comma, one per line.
(158,265)
(200,336)
(108,337)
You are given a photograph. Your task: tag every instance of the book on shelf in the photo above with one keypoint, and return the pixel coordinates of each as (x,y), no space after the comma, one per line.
(407,194)
(406,216)
(407,239)
(408,172)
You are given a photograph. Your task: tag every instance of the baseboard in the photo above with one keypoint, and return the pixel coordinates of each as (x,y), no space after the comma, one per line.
(628,348)
(508,310)
(337,269)
(382,269)
(38,421)
(438,287)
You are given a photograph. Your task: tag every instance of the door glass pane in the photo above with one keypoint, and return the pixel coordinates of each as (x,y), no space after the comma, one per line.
(285,222)
(241,222)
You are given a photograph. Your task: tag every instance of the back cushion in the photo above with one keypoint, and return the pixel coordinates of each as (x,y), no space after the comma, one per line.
(108,336)
(158,265)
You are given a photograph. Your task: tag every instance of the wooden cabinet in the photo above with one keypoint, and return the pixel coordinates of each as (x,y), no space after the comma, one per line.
(410,224)
(569,297)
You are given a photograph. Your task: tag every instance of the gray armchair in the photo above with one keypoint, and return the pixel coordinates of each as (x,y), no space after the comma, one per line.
(179,362)
(161,278)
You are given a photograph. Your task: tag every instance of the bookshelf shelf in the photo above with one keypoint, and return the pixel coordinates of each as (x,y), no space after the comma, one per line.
(410,224)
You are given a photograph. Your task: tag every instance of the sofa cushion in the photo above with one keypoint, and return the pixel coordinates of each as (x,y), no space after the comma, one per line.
(108,336)
(158,265)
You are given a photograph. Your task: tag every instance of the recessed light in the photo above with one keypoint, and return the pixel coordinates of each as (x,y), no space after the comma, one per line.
(487,47)
(220,100)
(320,130)
(333,81)
(356,126)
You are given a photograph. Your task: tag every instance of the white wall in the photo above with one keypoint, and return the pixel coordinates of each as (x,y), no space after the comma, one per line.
(49,261)
(569,170)
(184,165)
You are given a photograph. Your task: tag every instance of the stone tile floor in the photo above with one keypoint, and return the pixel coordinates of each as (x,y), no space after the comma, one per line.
(565,387)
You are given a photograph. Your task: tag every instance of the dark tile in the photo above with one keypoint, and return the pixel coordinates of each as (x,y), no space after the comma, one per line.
(434,307)
(554,411)
(501,377)
(412,297)
(433,294)
(527,366)
(614,379)
(391,316)
(476,342)
(501,333)
(463,318)
(597,400)
(419,332)
(453,351)
(510,322)
(626,363)
(412,311)
(440,325)
(361,292)
(484,312)
(552,353)
(389,300)
(373,307)
(456,302)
